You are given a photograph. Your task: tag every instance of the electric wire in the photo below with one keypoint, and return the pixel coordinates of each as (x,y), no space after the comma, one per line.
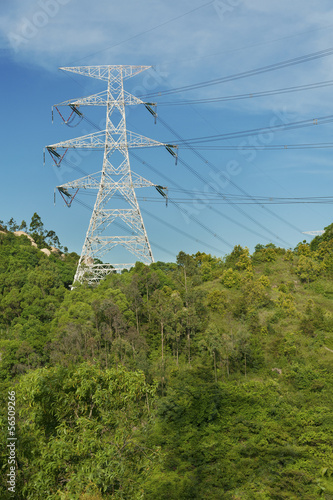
(227,201)
(245,74)
(183,233)
(224,199)
(261,147)
(219,172)
(207,147)
(283,64)
(231,203)
(177,201)
(187,214)
(199,155)
(323,120)
(197,221)
(203,226)
(187,143)
(249,95)
(248,46)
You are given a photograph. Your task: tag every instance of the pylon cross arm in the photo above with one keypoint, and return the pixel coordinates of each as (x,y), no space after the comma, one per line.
(135,140)
(87,182)
(103,99)
(95,140)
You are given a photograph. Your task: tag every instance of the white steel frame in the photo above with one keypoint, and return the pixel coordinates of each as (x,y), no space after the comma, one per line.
(115,177)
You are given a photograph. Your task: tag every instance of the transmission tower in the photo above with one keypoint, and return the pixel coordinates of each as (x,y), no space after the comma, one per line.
(115,181)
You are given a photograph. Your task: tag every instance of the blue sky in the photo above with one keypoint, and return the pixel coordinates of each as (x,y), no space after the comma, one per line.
(186,42)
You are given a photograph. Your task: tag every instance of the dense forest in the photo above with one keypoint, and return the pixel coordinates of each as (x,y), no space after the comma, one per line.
(208,378)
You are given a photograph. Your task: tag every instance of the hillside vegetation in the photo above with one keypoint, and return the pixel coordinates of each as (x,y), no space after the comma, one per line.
(207,378)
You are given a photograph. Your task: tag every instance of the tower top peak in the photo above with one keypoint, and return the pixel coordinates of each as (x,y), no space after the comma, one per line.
(104,72)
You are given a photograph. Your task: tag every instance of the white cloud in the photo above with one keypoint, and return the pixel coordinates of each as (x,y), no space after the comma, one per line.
(226,37)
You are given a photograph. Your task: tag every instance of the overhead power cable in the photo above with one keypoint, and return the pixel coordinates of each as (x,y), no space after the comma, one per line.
(213,209)
(231,203)
(323,120)
(270,128)
(248,95)
(193,199)
(185,212)
(181,231)
(223,199)
(260,147)
(194,219)
(245,74)
(194,172)
(187,143)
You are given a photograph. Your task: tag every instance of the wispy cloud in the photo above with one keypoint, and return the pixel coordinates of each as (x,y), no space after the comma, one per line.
(205,43)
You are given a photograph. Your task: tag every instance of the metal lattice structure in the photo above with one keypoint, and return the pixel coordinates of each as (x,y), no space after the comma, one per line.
(115,178)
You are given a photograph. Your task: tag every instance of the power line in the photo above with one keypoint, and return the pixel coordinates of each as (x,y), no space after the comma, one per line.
(185,212)
(249,95)
(187,143)
(209,207)
(194,219)
(323,120)
(230,202)
(203,226)
(231,182)
(260,147)
(245,74)
(226,200)
(216,147)
(223,199)
(181,231)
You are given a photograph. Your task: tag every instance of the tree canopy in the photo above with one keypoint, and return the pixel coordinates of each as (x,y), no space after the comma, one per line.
(207,378)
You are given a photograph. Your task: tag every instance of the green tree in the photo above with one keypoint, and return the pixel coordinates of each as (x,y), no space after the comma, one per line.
(161,314)
(212,341)
(23,226)
(79,431)
(36,230)
(307,268)
(217,300)
(12,225)
(231,278)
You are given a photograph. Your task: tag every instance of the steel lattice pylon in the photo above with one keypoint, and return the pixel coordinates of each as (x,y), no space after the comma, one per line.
(116,176)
